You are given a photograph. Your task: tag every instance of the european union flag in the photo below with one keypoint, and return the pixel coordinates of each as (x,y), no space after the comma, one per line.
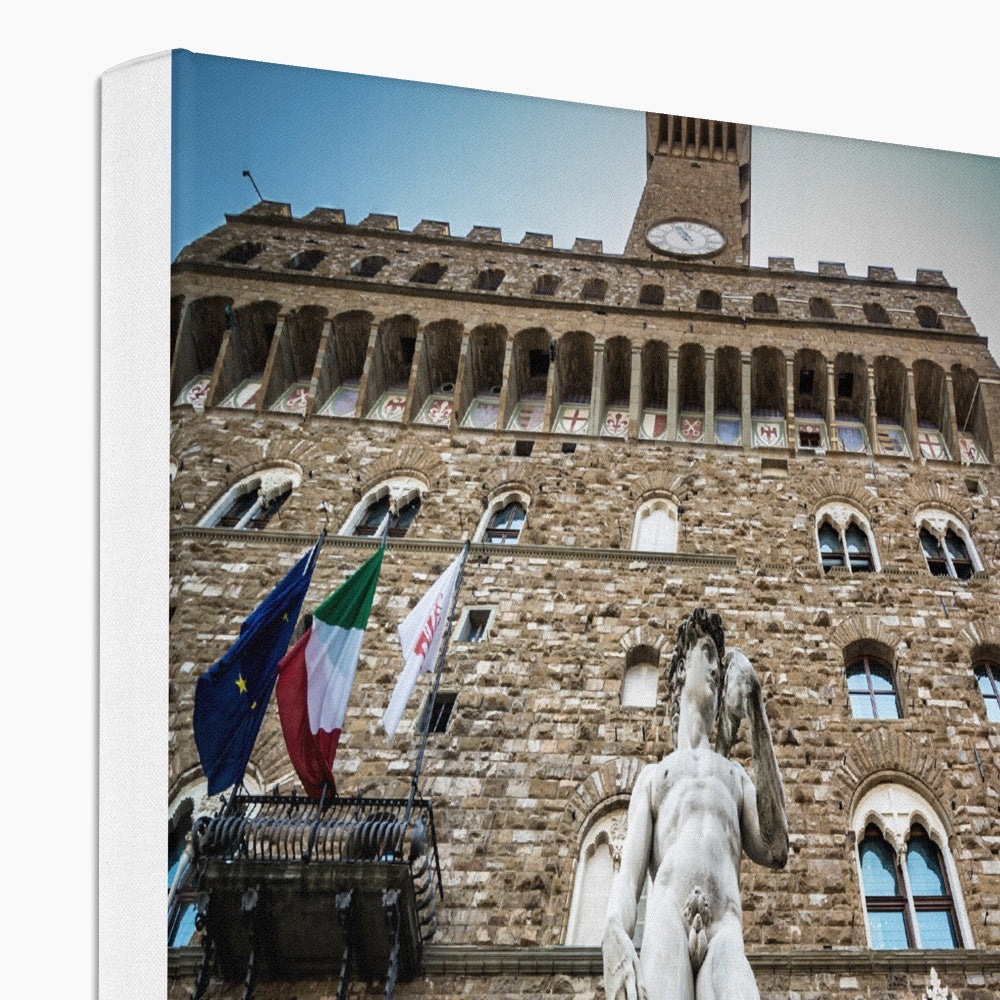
(231,696)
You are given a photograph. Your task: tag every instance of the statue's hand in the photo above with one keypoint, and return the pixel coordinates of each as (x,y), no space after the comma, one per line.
(622,975)
(742,685)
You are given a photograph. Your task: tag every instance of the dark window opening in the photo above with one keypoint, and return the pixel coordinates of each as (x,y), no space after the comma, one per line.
(875,313)
(546,284)
(820,309)
(538,363)
(522,449)
(928,318)
(845,385)
(435,717)
(488,280)
(242,253)
(594,290)
(707,299)
(368,267)
(305,261)
(428,274)
(806,381)
(476,623)
(763,302)
(651,295)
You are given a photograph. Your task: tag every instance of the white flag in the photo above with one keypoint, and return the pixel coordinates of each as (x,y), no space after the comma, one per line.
(420,638)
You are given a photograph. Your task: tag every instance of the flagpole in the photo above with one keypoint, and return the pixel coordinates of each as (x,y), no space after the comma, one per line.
(437,681)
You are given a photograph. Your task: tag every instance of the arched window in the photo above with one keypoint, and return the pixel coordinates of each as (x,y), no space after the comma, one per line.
(946,545)
(844,539)
(594,289)
(429,273)
(396,501)
(546,284)
(871,687)
(599,860)
(875,313)
(988,680)
(909,883)
(655,526)
(505,524)
(820,308)
(707,299)
(252,502)
(651,295)
(764,302)
(641,680)
(375,516)
(368,267)
(305,260)
(242,253)
(488,280)
(928,318)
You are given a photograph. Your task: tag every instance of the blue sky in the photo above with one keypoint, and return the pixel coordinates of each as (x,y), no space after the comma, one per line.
(473,157)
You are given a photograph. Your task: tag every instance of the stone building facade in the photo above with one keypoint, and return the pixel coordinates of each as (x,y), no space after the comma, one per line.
(622,438)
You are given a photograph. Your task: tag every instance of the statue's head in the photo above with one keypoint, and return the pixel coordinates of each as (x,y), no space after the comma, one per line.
(700,623)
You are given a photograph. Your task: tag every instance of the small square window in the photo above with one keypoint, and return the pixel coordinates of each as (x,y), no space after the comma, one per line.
(474,625)
(522,449)
(568,447)
(438,714)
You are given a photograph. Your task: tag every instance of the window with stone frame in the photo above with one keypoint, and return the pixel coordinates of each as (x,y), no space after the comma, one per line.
(764,302)
(597,864)
(381,510)
(946,546)
(987,674)
(504,521)
(252,502)
(655,526)
(394,503)
(709,299)
(640,685)
(820,308)
(909,883)
(875,313)
(871,689)
(474,624)
(844,539)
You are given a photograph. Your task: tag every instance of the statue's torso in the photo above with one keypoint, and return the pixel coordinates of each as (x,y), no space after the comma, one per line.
(696,799)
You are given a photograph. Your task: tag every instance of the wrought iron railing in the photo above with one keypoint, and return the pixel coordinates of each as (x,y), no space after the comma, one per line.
(292,828)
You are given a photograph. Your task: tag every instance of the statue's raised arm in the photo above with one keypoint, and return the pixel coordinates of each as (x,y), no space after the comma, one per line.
(690,819)
(764,820)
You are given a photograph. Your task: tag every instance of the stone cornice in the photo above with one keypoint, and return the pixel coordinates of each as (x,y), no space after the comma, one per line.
(477,553)
(474,961)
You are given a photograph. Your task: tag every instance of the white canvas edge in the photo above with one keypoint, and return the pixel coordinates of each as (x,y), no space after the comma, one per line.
(134,518)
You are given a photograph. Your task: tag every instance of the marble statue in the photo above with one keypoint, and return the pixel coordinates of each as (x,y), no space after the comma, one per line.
(691,816)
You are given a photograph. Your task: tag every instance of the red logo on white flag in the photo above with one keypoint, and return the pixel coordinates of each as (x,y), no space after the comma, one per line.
(429,627)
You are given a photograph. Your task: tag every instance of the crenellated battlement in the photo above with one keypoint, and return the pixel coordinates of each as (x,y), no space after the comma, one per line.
(266,240)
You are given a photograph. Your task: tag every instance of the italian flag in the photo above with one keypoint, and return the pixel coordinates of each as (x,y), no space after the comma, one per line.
(316,674)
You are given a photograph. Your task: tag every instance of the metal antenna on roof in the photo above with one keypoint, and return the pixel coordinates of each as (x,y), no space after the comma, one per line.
(246,173)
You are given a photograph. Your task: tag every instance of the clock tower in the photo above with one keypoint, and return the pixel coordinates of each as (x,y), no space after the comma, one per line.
(696,202)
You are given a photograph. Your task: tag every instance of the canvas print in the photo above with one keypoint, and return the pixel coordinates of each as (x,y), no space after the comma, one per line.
(582,550)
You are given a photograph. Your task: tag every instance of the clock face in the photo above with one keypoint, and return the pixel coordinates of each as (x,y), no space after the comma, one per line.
(682,236)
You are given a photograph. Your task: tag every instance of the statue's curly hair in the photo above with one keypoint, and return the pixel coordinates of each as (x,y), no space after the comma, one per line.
(699,623)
